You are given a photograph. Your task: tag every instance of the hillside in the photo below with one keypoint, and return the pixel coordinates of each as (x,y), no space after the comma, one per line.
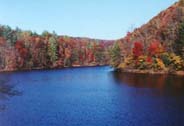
(163,28)
(163,34)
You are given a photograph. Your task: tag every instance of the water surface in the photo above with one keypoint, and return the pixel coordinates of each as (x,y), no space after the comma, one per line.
(94,96)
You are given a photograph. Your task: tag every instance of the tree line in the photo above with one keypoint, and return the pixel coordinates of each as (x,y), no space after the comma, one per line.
(21,50)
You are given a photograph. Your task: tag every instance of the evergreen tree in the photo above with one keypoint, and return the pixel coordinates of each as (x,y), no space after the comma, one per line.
(45,34)
(9,35)
(52,49)
(115,54)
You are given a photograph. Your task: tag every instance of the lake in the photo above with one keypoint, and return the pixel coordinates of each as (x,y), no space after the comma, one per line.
(91,96)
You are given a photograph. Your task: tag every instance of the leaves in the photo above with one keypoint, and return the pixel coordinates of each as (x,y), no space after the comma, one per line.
(27,50)
(52,49)
(155,48)
(138,49)
(115,54)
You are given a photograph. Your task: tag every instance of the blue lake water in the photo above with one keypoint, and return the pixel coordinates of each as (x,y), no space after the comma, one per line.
(91,96)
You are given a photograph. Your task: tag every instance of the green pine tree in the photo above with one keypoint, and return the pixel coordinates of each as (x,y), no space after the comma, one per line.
(52,49)
(115,54)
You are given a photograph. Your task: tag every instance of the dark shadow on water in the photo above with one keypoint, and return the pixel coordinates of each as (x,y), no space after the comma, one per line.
(171,85)
(7,90)
(91,97)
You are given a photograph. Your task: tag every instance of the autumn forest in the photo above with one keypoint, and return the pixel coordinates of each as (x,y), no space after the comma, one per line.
(24,50)
(55,79)
(157,46)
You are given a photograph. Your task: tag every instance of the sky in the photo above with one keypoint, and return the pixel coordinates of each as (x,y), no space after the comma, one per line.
(101,19)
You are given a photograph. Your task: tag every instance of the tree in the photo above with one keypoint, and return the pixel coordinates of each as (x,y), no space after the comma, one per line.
(2,57)
(99,53)
(75,55)
(155,48)
(181,2)
(23,53)
(179,44)
(52,49)
(45,33)
(115,54)
(9,35)
(6,30)
(137,49)
(38,51)
(68,54)
(27,50)
(10,59)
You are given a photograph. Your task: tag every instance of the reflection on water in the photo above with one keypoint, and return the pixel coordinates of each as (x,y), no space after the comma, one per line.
(6,90)
(164,84)
(91,97)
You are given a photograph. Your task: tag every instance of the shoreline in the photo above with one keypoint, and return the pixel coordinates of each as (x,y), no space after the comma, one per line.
(162,72)
(136,71)
(42,68)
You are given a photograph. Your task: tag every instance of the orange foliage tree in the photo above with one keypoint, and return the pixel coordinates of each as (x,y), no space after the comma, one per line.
(155,48)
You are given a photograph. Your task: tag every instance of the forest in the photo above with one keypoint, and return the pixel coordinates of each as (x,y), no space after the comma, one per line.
(157,46)
(26,50)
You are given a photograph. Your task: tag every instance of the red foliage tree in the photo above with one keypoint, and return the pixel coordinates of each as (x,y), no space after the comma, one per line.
(149,59)
(23,52)
(155,48)
(10,59)
(138,49)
